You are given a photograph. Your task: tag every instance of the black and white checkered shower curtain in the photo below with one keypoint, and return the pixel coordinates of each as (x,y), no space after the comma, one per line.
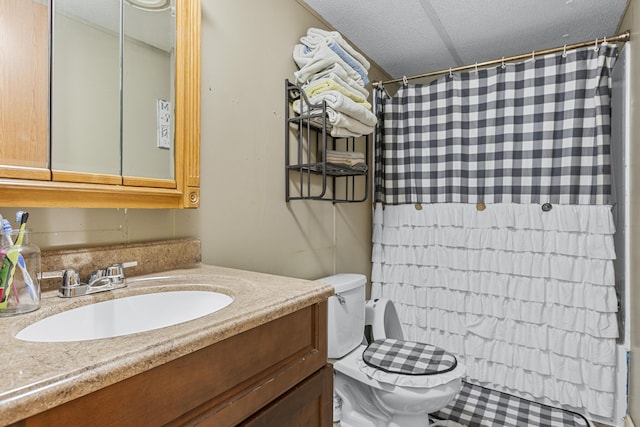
(533,132)
(521,286)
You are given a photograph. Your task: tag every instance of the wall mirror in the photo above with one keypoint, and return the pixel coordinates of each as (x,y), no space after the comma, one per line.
(122,129)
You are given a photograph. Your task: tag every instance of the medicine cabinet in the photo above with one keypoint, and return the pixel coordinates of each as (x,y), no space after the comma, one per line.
(39,116)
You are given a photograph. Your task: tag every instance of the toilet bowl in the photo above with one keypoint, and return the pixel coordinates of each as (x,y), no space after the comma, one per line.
(367,401)
(387,381)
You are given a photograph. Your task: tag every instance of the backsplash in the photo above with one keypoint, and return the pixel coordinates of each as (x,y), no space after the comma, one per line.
(152,257)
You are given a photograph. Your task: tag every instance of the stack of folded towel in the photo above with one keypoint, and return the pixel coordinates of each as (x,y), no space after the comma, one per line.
(334,72)
(353,159)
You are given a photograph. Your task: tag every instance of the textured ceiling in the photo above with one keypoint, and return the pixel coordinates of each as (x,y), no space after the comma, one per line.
(409,37)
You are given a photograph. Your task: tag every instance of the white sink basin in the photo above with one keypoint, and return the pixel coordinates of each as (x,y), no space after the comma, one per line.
(124,316)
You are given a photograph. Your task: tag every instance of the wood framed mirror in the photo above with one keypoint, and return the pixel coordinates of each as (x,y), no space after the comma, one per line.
(26,177)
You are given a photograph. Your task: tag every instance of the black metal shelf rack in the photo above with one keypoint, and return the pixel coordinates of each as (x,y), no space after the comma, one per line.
(307,139)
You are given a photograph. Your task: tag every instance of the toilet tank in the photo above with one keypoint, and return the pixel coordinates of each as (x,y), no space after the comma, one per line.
(346,313)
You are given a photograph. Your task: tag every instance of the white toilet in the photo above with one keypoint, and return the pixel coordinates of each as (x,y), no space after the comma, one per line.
(391,382)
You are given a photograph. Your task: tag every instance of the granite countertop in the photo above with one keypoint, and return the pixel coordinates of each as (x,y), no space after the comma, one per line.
(39,376)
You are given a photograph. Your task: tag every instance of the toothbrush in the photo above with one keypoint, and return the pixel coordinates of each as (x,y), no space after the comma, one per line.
(21,263)
(9,263)
(31,289)
(3,253)
(6,227)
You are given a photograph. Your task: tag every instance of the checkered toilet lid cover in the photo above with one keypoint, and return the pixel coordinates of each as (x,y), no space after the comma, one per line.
(408,358)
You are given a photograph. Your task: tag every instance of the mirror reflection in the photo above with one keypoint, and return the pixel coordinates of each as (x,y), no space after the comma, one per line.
(95,126)
(148,89)
(85,113)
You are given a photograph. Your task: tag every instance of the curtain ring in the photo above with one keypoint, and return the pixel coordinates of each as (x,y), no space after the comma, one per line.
(476,68)
(404,80)
(450,73)
(503,64)
(604,40)
(533,55)
(596,45)
(564,51)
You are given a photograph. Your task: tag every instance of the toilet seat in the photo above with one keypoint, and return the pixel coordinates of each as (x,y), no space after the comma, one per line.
(408,357)
(355,367)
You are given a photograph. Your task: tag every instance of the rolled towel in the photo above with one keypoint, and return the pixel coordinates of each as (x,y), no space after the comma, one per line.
(316,87)
(338,132)
(341,125)
(350,60)
(305,56)
(340,103)
(316,35)
(312,62)
(345,121)
(338,74)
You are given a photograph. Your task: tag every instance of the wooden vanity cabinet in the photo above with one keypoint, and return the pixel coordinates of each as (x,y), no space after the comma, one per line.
(274,374)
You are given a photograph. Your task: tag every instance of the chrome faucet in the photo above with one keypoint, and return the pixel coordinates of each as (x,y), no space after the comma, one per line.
(106,279)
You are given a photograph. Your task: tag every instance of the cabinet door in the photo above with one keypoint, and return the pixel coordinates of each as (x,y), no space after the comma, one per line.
(24,77)
(309,404)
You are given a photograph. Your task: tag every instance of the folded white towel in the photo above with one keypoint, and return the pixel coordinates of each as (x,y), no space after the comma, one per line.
(312,62)
(342,104)
(341,161)
(345,154)
(357,163)
(316,36)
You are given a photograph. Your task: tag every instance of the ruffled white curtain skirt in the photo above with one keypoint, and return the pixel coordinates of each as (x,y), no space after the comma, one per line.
(525,298)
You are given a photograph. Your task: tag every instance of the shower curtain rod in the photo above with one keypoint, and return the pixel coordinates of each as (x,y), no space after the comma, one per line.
(618,38)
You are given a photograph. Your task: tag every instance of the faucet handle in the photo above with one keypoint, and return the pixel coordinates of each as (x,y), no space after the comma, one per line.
(113,273)
(69,277)
(70,281)
(114,270)
(118,268)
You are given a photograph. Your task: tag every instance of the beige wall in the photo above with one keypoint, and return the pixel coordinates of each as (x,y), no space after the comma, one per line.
(243,220)
(631,22)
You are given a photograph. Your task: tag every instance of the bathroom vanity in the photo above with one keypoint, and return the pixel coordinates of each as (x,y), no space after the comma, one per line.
(260,361)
